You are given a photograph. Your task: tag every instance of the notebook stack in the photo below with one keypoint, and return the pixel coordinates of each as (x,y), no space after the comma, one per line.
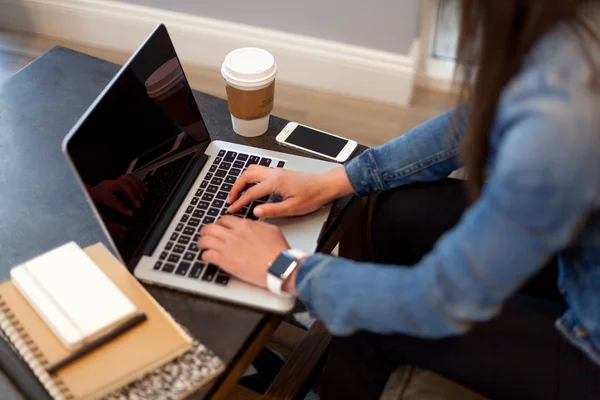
(49,333)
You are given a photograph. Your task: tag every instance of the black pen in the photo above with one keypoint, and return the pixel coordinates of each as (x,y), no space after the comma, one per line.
(127,325)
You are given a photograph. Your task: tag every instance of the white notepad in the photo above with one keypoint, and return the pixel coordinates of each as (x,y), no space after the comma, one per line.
(72,295)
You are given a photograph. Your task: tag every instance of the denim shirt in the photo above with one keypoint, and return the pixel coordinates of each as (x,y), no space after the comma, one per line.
(541,198)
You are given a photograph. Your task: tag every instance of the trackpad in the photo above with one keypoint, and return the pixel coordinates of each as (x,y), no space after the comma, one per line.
(302,232)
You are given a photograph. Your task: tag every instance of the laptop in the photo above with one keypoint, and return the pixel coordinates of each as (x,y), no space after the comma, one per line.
(154,177)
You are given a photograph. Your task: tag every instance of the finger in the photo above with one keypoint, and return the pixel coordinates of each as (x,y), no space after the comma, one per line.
(116,204)
(130,191)
(254,193)
(212,256)
(217,231)
(230,221)
(254,173)
(210,243)
(284,208)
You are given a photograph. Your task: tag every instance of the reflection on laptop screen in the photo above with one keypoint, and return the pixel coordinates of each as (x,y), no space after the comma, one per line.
(136,143)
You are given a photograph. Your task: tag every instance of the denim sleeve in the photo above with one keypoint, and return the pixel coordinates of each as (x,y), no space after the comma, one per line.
(544,183)
(425,153)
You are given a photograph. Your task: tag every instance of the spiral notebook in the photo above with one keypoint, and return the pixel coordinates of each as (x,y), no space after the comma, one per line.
(123,368)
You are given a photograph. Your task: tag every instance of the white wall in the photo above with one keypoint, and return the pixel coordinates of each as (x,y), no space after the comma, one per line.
(389,25)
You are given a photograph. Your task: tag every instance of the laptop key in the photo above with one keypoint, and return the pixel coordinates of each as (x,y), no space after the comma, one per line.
(253,160)
(223,211)
(157,265)
(208,197)
(212,168)
(169,246)
(239,164)
(222,195)
(213,212)
(222,279)
(185,218)
(221,173)
(183,269)
(230,179)
(203,205)
(179,227)
(189,230)
(174,236)
(280,164)
(195,201)
(208,177)
(218,203)
(265,161)
(230,156)
(235,171)
(174,258)
(198,214)
(225,165)
(189,209)
(203,185)
(226,187)
(208,220)
(242,157)
(168,268)
(184,239)
(195,238)
(221,153)
(212,189)
(219,159)
(196,270)
(250,214)
(193,247)
(194,222)
(178,248)
(216,181)
(189,256)
(163,255)
(209,274)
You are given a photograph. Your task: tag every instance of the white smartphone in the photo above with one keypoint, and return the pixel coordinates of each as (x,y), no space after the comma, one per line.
(161,151)
(316,142)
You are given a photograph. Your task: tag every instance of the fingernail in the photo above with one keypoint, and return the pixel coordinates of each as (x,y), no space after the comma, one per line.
(258,212)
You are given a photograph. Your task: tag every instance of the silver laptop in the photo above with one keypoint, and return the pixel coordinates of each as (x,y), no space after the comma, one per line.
(154,177)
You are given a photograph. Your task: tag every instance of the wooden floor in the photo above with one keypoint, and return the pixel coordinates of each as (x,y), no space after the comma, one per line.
(366,122)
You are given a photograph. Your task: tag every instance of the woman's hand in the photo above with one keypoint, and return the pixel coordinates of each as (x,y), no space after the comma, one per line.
(302,192)
(242,247)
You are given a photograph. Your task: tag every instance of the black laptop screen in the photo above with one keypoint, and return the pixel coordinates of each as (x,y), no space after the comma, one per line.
(147,116)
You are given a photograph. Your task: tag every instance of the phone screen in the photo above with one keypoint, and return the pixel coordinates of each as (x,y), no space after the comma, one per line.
(156,152)
(316,141)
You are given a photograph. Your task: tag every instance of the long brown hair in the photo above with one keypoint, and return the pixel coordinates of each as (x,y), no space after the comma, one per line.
(495,35)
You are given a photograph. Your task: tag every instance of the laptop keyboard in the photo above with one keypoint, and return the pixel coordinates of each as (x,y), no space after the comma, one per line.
(181,256)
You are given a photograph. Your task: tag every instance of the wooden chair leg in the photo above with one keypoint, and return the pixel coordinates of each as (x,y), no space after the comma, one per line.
(300,365)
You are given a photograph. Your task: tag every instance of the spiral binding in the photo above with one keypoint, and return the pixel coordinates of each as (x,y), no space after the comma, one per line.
(32,355)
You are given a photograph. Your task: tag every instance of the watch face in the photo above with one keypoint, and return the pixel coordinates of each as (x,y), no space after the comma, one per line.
(281,264)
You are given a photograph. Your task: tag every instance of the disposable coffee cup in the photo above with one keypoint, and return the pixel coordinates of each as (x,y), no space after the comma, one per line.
(168,87)
(249,75)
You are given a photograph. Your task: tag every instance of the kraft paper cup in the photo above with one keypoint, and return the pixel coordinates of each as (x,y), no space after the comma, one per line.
(249,75)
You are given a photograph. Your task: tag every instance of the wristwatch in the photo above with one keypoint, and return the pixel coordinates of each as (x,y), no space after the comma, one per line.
(281,269)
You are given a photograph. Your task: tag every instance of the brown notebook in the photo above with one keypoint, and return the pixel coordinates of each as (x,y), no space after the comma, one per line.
(140,350)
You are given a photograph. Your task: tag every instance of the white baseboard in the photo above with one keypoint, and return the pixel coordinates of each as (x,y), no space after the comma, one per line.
(304,61)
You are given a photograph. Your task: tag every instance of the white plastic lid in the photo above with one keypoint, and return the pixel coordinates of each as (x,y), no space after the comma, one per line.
(249,67)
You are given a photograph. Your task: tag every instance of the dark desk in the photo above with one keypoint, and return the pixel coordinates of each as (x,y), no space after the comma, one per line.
(41,205)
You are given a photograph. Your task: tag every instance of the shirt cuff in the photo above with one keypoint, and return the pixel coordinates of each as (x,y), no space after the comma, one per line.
(307,278)
(363,174)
